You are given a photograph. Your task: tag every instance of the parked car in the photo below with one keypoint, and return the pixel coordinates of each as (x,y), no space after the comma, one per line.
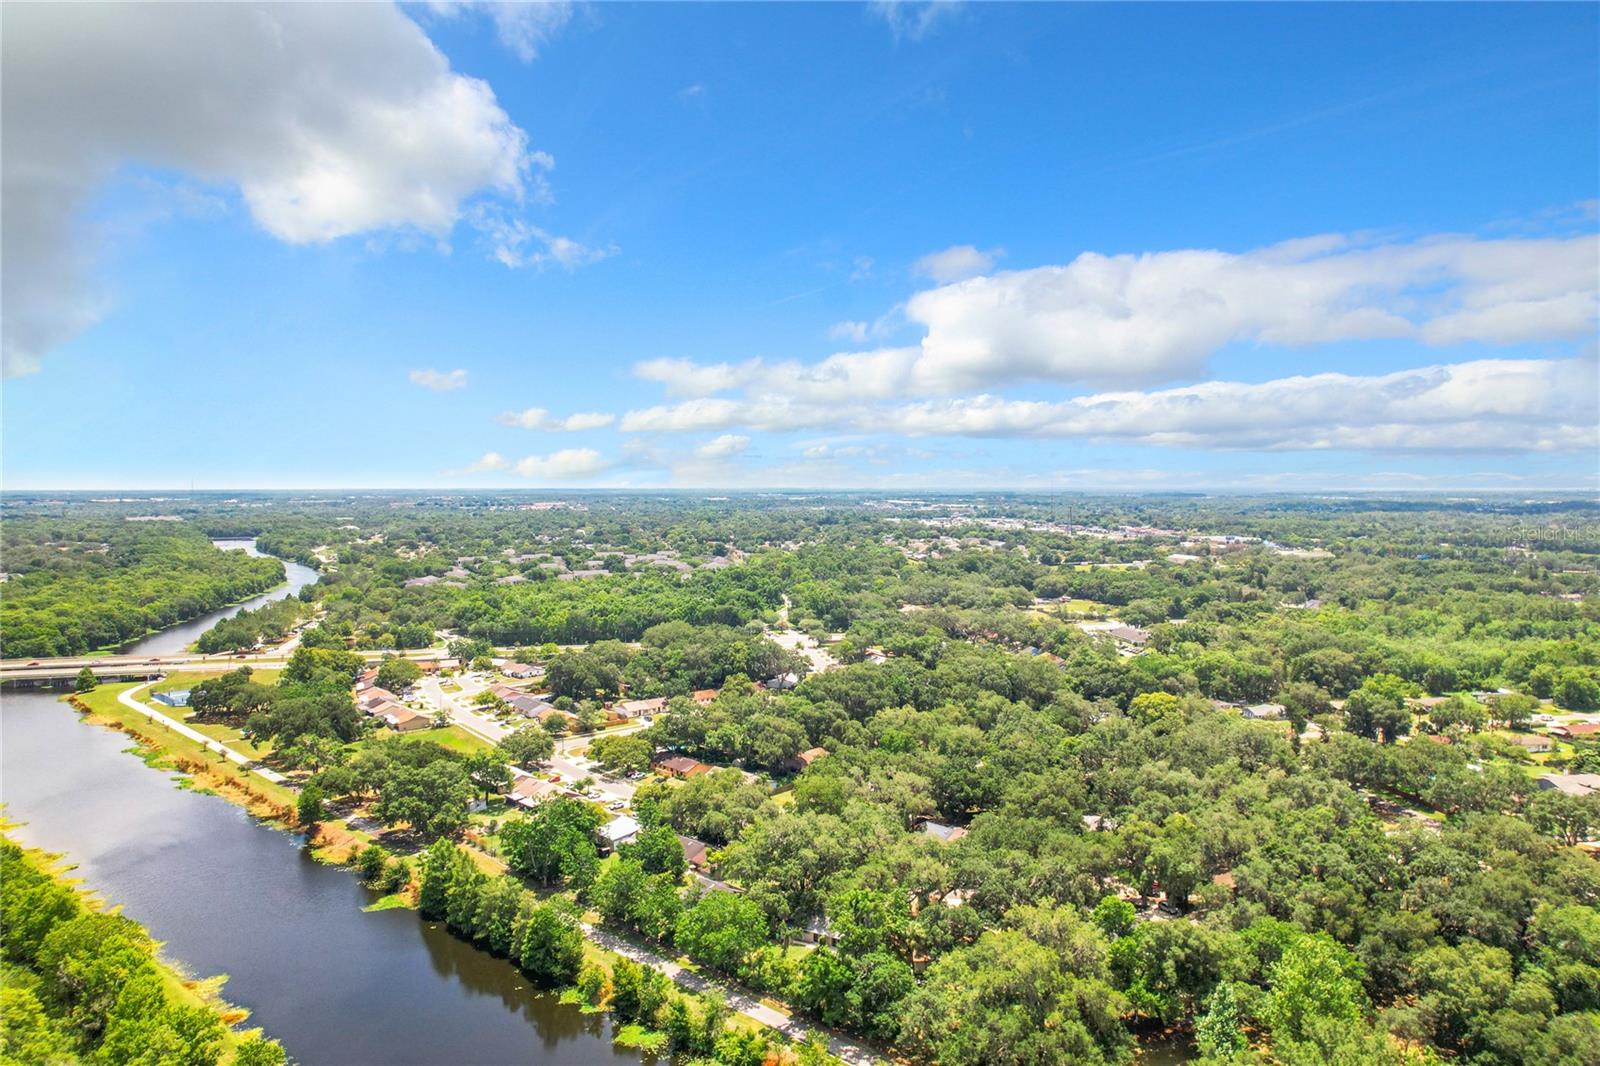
(616,805)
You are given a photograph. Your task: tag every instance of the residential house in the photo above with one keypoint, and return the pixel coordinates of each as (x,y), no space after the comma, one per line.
(782,683)
(1577,729)
(697,852)
(704,696)
(620,830)
(530,791)
(1132,636)
(528,706)
(1533,743)
(817,931)
(1261,711)
(639,708)
(403,719)
(681,766)
(522,670)
(1571,784)
(942,832)
(805,759)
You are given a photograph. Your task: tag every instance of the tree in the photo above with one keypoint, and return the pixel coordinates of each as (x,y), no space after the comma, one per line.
(527,747)
(1219,1033)
(397,675)
(308,808)
(658,851)
(488,773)
(1316,980)
(555,844)
(630,752)
(1009,1001)
(432,799)
(85,681)
(722,929)
(1370,713)
(550,949)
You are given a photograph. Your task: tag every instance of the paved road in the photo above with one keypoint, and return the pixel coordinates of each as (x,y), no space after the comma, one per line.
(838,1045)
(127,700)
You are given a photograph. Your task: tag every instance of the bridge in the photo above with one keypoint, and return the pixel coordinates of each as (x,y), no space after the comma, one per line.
(45,672)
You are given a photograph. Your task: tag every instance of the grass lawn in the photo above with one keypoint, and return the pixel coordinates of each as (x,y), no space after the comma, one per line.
(453,737)
(225,733)
(103,704)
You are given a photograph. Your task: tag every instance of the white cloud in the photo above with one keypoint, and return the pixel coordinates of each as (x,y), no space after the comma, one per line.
(1128,320)
(956,263)
(913,19)
(439,380)
(539,418)
(1491,404)
(519,243)
(329,119)
(723,447)
(486,461)
(1144,319)
(524,27)
(568,464)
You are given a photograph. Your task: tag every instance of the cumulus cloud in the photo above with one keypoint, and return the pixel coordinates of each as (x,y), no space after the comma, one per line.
(539,418)
(568,464)
(723,447)
(955,263)
(1144,319)
(1485,405)
(329,120)
(439,380)
(1133,320)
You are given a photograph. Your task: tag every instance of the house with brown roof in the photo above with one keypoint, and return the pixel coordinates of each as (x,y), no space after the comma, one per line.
(1576,729)
(703,696)
(681,766)
(805,759)
(403,719)
(522,670)
(697,852)
(1533,743)
(530,791)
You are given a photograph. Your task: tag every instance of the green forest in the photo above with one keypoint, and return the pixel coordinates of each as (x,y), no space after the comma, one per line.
(76,585)
(1278,780)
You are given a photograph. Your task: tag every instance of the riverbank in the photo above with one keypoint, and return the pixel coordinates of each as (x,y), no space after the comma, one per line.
(37,897)
(162,747)
(337,841)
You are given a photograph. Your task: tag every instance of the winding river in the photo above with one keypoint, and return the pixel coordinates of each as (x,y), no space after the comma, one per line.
(228,895)
(175,639)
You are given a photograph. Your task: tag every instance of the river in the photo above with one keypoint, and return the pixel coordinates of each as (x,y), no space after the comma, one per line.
(176,639)
(229,895)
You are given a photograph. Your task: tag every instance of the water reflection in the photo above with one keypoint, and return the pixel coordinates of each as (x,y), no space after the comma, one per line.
(226,895)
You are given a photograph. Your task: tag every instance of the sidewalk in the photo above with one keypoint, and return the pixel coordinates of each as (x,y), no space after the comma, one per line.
(127,700)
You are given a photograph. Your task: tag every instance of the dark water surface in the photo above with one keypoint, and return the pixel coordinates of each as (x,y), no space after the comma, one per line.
(226,895)
(175,639)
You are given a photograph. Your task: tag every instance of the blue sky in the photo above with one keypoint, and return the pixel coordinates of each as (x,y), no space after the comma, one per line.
(1257,247)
